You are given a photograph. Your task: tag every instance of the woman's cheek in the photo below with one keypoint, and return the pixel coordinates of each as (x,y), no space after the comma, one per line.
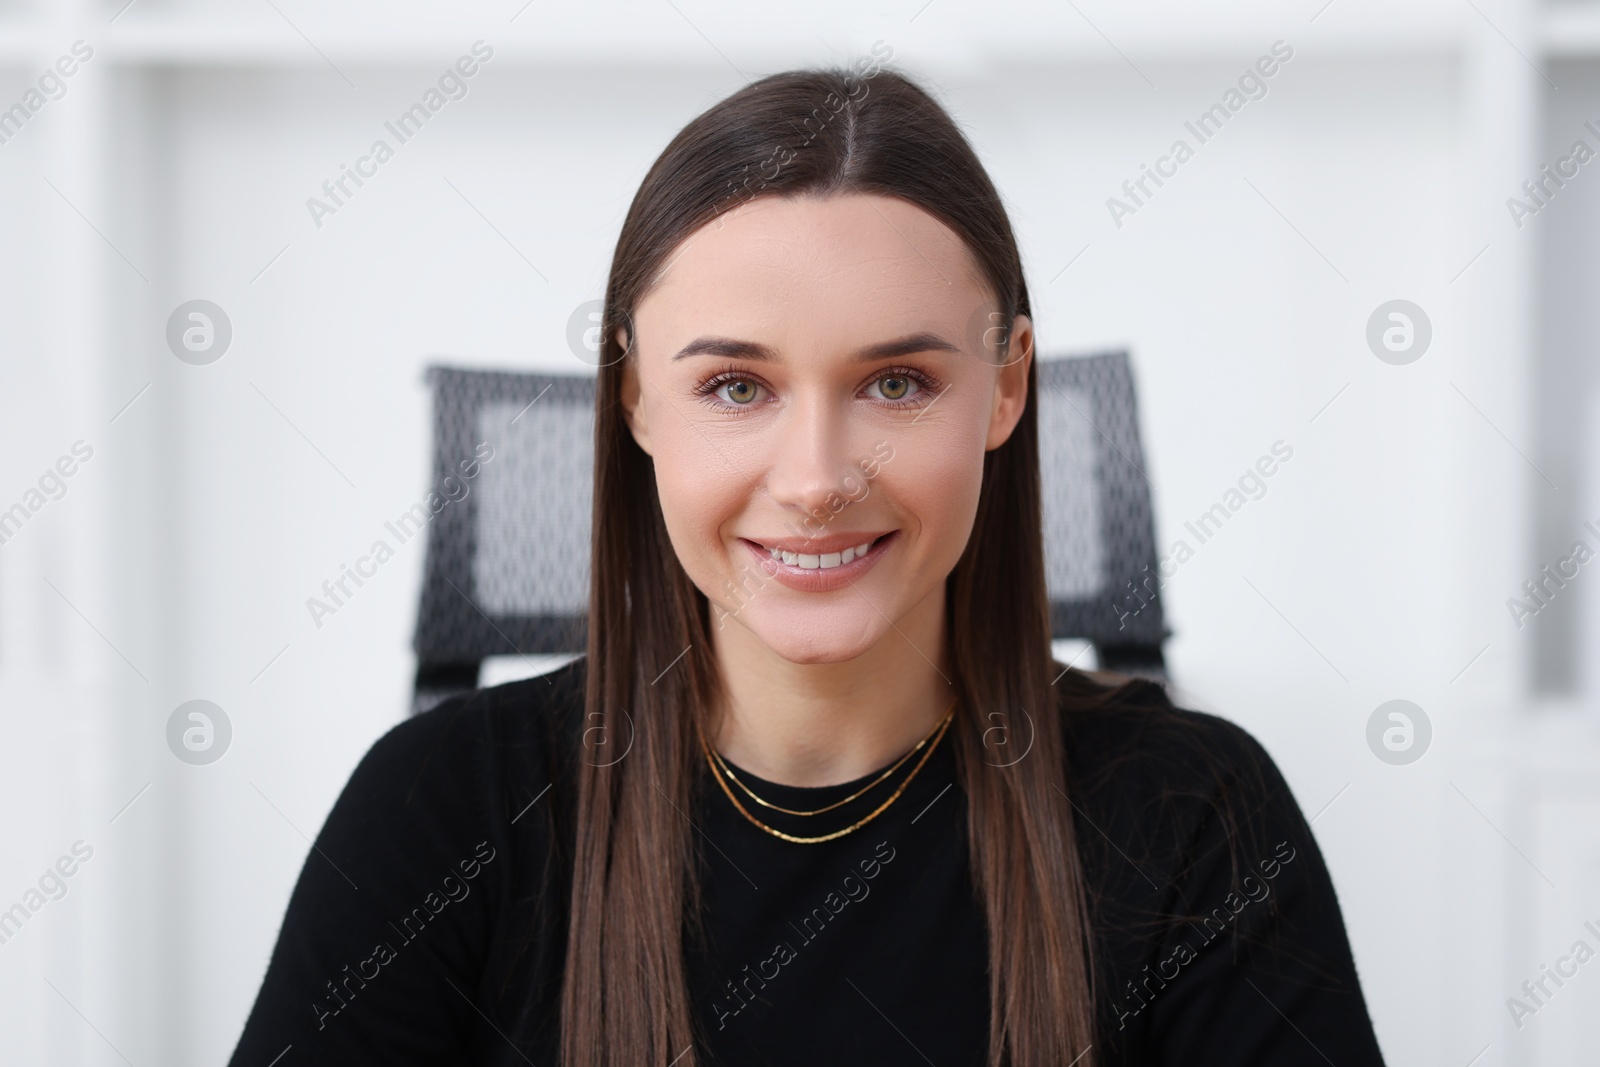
(937,479)
(699,493)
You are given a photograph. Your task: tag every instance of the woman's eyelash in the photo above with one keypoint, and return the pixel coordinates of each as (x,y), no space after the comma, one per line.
(709,387)
(707,390)
(927,385)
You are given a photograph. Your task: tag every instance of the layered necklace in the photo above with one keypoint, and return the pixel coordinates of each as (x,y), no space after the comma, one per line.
(724,774)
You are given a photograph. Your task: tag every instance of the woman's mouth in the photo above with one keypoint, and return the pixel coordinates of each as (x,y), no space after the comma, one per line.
(828,564)
(823,560)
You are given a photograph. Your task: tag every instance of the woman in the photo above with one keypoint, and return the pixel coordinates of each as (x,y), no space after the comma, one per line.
(817,793)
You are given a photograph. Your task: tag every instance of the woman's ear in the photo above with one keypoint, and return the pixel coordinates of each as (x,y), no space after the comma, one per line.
(1011,386)
(632,409)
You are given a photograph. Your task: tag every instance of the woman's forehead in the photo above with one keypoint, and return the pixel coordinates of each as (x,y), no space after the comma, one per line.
(797,258)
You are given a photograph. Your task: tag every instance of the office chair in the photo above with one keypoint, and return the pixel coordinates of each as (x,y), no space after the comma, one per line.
(507,552)
(1099,530)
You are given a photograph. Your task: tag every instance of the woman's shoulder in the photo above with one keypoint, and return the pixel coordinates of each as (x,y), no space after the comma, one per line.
(1130,737)
(505,731)
(1208,892)
(1168,793)
(442,835)
(482,767)
(467,767)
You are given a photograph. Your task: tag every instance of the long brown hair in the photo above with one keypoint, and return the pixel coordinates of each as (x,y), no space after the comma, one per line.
(625,999)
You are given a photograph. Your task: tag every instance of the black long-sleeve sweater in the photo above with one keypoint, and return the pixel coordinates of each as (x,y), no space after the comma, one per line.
(428,925)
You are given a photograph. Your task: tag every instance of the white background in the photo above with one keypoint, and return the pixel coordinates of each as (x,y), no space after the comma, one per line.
(1378,565)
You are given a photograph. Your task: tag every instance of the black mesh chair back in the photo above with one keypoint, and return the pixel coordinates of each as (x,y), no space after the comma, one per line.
(1099,529)
(507,568)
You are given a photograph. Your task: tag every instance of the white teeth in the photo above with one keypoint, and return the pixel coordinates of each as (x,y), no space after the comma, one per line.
(822,561)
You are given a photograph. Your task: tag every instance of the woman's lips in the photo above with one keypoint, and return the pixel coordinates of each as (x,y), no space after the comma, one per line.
(818,579)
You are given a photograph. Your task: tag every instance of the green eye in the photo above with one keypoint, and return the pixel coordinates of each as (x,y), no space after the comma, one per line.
(893,387)
(741,391)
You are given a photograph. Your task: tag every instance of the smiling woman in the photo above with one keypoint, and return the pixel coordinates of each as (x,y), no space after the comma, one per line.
(806,666)
(749,362)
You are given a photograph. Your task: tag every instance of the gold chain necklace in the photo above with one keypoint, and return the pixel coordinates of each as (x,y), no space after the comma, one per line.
(727,770)
(717,773)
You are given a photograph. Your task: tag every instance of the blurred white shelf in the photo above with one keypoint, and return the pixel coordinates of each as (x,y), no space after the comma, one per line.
(570,36)
(544,37)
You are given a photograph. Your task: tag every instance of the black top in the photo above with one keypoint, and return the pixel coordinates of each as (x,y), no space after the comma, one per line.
(428,925)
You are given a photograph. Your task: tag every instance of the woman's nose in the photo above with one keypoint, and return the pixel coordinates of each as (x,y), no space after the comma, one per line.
(810,468)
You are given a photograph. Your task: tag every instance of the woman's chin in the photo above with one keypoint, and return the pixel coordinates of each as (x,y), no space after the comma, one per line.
(813,641)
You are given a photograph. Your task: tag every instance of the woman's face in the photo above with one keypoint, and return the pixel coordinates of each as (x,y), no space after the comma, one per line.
(810,376)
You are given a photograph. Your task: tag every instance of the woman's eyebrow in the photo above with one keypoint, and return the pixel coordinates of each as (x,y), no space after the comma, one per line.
(729,348)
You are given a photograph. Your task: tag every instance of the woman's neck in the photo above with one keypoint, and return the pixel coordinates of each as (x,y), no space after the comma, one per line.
(815,724)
